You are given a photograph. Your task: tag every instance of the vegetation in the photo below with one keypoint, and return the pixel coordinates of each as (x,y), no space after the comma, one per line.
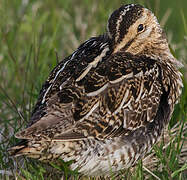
(35,35)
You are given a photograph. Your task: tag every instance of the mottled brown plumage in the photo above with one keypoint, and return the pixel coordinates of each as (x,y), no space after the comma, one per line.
(105,105)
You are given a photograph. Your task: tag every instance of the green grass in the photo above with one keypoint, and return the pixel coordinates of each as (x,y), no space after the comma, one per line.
(35,35)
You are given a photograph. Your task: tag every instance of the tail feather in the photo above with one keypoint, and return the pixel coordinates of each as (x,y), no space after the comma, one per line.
(22,148)
(33,149)
(15,150)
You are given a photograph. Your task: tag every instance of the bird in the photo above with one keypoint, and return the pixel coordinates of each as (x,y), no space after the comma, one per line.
(104,106)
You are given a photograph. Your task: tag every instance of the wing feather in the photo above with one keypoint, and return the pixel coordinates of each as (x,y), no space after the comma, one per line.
(117,96)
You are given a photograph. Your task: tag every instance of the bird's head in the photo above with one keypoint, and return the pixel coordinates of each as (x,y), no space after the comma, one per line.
(134,29)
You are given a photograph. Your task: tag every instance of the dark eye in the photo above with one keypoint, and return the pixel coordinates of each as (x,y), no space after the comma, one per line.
(140,27)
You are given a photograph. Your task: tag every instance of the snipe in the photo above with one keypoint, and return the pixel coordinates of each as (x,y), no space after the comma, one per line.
(107,104)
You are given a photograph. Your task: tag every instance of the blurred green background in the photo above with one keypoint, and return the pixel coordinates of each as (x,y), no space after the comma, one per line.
(36,34)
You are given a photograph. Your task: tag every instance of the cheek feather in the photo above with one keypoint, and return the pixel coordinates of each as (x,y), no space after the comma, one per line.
(145,34)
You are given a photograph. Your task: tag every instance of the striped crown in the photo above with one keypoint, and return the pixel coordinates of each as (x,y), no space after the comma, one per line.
(121,19)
